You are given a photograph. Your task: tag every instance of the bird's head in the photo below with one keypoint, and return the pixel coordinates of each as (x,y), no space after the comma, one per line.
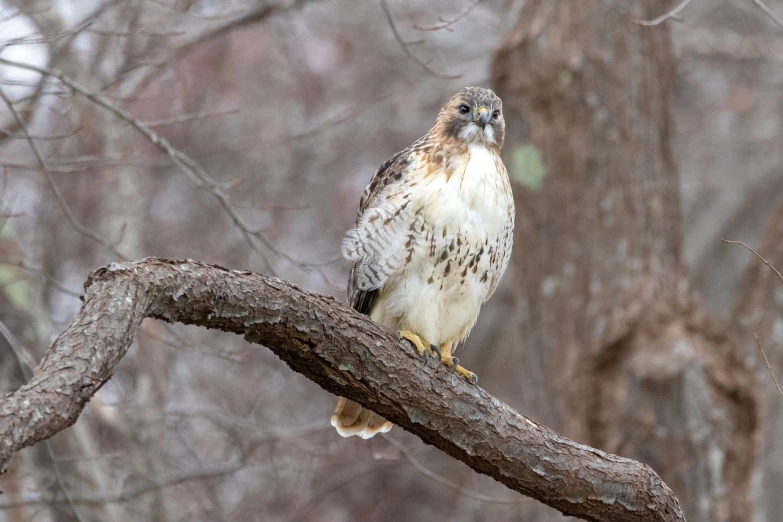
(473,115)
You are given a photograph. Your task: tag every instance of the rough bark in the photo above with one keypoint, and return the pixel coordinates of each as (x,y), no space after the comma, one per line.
(630,362)
(346,354)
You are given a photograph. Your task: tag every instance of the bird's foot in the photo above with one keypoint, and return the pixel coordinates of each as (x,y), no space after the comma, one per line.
(466,374)
(453,363)
(424,348)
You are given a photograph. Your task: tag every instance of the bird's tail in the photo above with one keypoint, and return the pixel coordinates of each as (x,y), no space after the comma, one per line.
(350,418)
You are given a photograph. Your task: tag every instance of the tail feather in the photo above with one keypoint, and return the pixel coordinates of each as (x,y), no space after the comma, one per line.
(351,418)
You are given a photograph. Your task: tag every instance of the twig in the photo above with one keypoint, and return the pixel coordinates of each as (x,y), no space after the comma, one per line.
(24,359)
(769,367)
(671,14)
(192,170)
(732,45)
(53,185)
(123,34)
(78,164)
(235,21)
(446,482)
(260,434)
(55,137)
(34,39)
(182,118)
(49,279)
(52,168)
(758,341)
(181,345)
(136,489)
(767,11)
(423,65)
(56,54)
(780,276)
(446,24)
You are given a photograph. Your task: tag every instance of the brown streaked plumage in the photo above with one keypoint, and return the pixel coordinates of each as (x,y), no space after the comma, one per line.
(432,238)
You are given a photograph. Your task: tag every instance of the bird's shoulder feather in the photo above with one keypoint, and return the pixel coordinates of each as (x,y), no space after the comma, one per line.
(393,170)
(375,257)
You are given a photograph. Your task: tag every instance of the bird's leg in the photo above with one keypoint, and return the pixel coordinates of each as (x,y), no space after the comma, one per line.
(424,348)
(452,362)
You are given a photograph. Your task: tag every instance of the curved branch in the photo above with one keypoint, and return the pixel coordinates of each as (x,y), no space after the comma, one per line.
(345,353)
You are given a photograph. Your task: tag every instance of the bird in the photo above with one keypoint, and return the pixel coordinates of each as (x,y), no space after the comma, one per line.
(432,239)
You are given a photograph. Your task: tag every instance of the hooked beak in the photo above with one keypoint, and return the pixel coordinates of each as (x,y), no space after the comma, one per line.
(482,116)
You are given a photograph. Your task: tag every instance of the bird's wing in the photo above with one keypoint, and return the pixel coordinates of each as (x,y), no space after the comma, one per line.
(503,253)
(387,228)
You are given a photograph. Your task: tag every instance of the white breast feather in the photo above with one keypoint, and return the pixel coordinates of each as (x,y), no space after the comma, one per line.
(443,307)
(472,200)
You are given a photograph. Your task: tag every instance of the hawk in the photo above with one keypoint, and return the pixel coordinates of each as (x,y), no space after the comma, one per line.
(432,238)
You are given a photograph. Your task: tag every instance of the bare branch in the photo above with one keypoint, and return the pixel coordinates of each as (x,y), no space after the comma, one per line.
(23,357)
(446,482)
(15,136)
(183,118)
(758,341)
(769,367)
(80,228)
(725,44)
(345,353)
(780,276)
(671,14)
(192,170)
(136,489)
(70,35)
(445,23)
(408,53)
(78,164)
(236,21)
(49,279)
(767,11)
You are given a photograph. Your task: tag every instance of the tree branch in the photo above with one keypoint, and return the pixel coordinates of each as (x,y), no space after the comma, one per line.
(138,488)
(673,14)
(345,353)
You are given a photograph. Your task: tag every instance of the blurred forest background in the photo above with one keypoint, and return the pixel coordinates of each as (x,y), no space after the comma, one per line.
(242,133)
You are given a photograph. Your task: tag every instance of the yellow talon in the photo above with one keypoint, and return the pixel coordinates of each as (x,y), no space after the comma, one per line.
(452,362)
(467,374)
(422,346)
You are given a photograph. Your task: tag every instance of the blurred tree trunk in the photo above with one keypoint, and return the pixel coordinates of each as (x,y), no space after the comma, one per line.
(617,352)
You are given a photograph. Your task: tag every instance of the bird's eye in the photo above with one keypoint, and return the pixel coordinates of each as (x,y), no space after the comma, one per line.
(463,109)
(495,114)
